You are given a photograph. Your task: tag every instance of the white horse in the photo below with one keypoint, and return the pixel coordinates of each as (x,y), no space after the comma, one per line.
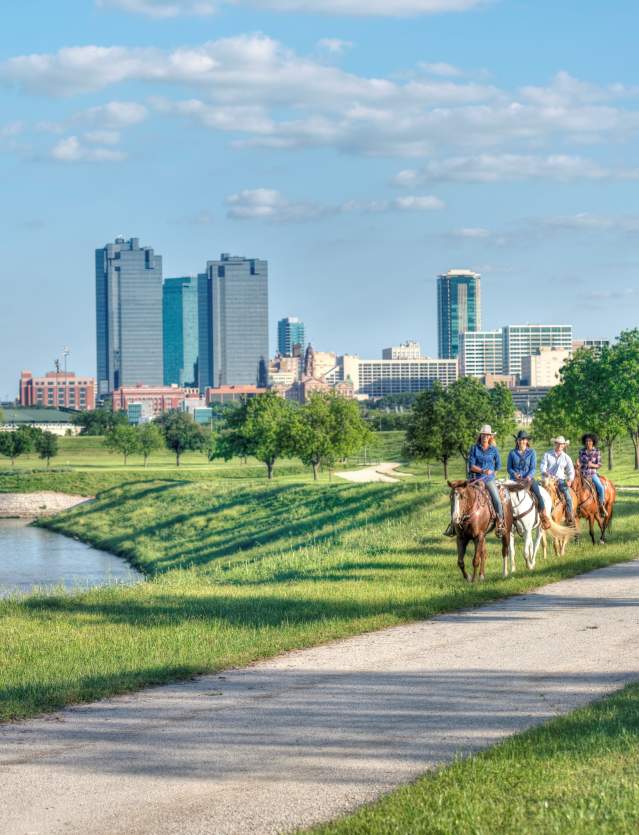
(527,523)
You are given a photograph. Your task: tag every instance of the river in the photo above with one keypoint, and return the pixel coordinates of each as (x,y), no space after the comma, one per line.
(33,558)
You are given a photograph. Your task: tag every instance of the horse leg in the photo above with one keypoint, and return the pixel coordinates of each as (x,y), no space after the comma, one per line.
(606,524)
(544,542)
(591,526)
(462,544)
(477,557)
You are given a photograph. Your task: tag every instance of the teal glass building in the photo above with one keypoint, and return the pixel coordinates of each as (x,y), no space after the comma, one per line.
(290,332)
(180,330)
(458,309)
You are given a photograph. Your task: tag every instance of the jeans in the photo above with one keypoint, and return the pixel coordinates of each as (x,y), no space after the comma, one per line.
(491,486)
(535,489)
(601,492)
(566,491)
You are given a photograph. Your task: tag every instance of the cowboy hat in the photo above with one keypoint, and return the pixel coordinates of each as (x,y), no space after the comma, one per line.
(560,440)
(486,430)
(522,435)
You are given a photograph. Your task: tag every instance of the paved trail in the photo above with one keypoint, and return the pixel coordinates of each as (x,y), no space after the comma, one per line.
(315,733)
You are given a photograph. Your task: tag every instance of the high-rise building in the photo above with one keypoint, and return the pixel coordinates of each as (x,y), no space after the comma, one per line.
(180,330)
(409,350)
(233,320)
(481,353)
(377,378)
(524,340)
(128,289)
(290,333)
(458,309)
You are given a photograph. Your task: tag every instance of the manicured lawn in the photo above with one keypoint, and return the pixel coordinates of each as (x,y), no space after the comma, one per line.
(577,774)
(243,570)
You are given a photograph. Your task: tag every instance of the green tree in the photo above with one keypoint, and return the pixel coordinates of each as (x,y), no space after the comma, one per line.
(100,421)
(431,434)
(124,439)
(150,438)
(263,426)
(503,411)
(16,443)
(328,428)
(181,434)
(624,367)
(468,406)
(46,445)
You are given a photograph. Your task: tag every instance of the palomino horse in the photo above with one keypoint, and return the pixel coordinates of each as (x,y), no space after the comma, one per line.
(587,506)
(472,517)
(559,512)
(526,521)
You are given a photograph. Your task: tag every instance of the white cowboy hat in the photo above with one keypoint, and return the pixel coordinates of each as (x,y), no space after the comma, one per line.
(560,440)
(486,430)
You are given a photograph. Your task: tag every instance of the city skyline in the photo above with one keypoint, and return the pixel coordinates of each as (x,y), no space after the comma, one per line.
(361,154)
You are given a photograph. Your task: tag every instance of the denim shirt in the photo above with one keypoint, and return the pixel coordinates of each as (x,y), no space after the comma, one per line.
(522,464)
(486,459)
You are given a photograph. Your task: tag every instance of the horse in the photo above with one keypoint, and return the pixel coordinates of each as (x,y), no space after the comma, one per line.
(472,517)
(526,521)
(559,513)
(588,503)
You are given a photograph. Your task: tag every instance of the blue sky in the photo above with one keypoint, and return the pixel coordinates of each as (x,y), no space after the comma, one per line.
(361,146)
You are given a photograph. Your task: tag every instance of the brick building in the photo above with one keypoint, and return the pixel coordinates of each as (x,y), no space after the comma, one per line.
(154,400)
(57,389)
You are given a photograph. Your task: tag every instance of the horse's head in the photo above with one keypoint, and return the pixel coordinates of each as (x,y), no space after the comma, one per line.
(461,500)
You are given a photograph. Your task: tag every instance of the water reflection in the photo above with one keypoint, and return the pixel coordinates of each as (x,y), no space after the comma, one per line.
(36,558)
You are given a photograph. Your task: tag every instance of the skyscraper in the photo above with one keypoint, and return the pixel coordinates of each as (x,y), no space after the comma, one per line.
(180,330)
(233,315)
(458,309)
(290,332)
(525,340)
(128,289)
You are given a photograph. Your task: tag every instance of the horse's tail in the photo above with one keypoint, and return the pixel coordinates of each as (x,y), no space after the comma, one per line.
(561,531)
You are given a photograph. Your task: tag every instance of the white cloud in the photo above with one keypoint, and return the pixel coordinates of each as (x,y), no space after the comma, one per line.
(442,69)
(11,129)
(334,45)
(360,8)
(472,232)
(103,137)
(162,8)
(490,168)
(72,150)
(115,114)
(272,205)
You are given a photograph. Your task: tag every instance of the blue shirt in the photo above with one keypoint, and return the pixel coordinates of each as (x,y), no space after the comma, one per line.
(486,459)
(522,464)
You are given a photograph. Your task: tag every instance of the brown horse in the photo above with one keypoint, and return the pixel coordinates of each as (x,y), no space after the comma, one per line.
(472,517)
(559,513)
(587,506)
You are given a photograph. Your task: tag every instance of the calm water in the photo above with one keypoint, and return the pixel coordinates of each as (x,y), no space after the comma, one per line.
(33,557)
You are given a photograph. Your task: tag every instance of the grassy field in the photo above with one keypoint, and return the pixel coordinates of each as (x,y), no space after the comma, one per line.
(576,774)
(241,570)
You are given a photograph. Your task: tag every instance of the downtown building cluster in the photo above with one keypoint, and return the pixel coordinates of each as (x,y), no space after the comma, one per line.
(188,341)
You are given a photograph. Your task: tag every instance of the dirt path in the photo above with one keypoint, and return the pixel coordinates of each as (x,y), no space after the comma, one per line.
(45,503)
(314,733)
(379,472)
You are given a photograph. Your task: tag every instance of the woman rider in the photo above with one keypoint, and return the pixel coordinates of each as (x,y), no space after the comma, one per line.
(521,466)
(483,463)
(590,462)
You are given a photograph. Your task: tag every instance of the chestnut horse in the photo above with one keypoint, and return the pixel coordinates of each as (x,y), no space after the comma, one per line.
(559,513)
(588,503)
(472,517)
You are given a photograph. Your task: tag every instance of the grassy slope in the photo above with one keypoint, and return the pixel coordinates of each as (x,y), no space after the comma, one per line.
(244,572)
(577,774)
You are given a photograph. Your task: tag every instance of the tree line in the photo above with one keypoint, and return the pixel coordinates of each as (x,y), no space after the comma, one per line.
(598,392)
(28,439)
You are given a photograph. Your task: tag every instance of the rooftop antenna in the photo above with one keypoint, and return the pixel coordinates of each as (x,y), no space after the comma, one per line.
(65,354)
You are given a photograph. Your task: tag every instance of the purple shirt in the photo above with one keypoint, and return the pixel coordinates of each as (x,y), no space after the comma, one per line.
(588,457)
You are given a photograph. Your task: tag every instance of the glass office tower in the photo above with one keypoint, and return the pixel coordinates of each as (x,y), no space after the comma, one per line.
(290,332)
(128,285)
(458,309)
(180,330)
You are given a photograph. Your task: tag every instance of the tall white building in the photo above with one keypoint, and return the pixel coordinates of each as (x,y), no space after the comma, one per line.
(525,340)
(409,350)
(481,353)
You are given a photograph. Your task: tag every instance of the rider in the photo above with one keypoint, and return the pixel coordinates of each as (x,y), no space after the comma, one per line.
(483,463)
(590,462)
(556,463)
(522,465)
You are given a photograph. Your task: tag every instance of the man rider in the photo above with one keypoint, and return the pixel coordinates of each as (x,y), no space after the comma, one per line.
(521,466)
(557,464)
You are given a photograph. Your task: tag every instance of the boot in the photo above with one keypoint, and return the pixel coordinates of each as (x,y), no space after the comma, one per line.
(450,530)
(545,520)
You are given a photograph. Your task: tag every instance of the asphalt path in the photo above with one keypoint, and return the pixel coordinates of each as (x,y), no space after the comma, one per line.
(312,734)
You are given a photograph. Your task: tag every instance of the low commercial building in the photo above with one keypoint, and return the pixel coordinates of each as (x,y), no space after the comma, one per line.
(56,421)
(155,400)
(230,394)
(377,378)
(57,389)
(543,369)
